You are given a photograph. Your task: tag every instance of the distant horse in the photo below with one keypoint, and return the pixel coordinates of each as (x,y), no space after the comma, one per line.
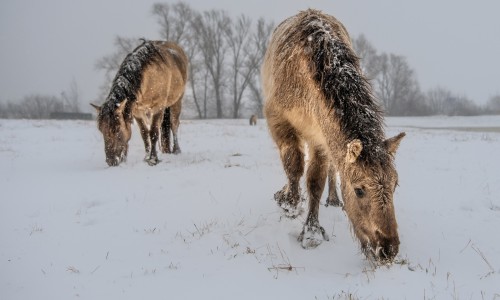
(148,87)
(253,120)
(316,95)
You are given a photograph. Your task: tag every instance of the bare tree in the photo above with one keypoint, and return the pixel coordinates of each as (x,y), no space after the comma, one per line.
(368,55)
(35,107)
(110,63)
(198,74)
(3,110)
(260,39)
(460,105)
(493,105)
(174,20)
(211,27)
(70,98)
(437,98)
(241,71)
(198,80)
(396,85)
(442,101)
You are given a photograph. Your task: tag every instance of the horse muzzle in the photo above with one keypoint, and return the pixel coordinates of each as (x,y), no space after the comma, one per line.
(382,249)
(115,160)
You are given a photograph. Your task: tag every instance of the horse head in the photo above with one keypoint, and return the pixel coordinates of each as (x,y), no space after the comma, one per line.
(368,189)
(116,131)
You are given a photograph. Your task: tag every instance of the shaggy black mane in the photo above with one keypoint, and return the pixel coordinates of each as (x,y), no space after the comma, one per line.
(128,79)
(336,70)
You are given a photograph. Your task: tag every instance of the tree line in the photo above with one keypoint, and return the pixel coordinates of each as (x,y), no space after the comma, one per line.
(396,86)
(225,55)
(37,106)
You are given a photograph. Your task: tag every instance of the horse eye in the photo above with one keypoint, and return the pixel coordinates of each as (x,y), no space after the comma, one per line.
(360,193)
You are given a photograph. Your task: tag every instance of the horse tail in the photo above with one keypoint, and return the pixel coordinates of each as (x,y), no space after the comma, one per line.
(166,125)
(335,69)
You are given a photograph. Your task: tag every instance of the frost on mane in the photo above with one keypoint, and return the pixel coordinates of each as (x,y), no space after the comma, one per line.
(336,70)
(129,76)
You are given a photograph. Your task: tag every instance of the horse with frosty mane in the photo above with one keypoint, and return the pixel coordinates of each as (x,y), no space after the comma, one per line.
(148,87)
(317,95)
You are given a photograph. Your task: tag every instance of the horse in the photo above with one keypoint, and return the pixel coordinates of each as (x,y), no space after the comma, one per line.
(148,87)
(316,95)
(253,120)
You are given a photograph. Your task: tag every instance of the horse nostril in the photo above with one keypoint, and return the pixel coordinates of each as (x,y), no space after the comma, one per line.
(388,247)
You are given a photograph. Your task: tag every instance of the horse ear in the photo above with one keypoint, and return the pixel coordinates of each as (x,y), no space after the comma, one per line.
(353,150)
(97,108)
(392,144)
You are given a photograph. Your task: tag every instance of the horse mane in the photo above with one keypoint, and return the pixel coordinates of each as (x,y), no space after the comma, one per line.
(335,68)
(128,79)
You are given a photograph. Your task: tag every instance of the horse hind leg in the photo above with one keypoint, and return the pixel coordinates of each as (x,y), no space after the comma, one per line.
(175,122)
(313,234)
(165,131)
(292,157)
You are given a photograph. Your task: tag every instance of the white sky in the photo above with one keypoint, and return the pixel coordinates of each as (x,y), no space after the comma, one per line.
(45,45)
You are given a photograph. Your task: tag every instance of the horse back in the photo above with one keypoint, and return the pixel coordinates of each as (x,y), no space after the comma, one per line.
(176,53)
(292,95)
(163,81)
(288,68)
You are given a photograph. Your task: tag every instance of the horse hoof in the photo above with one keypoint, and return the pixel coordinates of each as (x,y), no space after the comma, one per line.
(291,211)
(333,202)
(153,161)
(177,151)
(291,208)
(312,236)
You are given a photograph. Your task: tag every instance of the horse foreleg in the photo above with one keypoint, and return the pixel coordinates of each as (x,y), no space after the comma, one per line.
(333,198)
(154,134)
(145,133)
(292,157)
(313,234)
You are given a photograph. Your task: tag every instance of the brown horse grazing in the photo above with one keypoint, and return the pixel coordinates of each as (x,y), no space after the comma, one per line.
(253,120)
(316,95)
(148,87)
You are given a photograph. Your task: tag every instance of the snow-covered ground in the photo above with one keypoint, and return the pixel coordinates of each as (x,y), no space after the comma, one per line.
(203,224)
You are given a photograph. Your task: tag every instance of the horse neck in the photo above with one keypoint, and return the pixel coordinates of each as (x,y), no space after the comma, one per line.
(337,145)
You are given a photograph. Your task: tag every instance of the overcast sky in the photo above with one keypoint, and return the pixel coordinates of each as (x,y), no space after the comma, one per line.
(45,45)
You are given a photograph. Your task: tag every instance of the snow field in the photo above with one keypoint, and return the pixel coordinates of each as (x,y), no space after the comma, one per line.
(203,224)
